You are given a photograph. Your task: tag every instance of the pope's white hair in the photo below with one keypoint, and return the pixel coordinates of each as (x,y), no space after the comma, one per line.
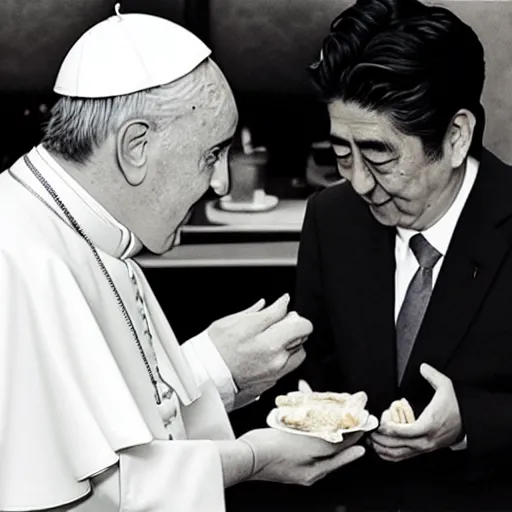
(79,125)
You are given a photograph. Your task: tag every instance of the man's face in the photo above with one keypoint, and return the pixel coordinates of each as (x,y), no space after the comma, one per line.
(191,157)
(388,169)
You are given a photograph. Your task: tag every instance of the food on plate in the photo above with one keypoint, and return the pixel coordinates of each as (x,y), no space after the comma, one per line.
(401,412)
(296,398)
(321,412)
(318,417)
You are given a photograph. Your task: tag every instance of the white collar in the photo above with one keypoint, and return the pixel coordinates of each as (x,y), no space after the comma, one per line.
(440,234)
(101,227)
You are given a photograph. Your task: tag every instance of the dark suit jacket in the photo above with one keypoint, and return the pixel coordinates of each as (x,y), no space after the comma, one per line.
(345,286)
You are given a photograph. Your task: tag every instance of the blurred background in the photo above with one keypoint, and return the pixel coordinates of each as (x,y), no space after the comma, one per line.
(229,258)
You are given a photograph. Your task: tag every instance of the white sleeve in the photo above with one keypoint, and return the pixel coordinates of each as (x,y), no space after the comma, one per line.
(207,363)
(163,476)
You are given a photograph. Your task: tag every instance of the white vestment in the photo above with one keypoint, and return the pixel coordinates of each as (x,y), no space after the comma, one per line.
(78,416)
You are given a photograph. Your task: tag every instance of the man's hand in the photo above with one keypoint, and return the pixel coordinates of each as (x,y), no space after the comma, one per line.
(439,426)
(301,460)
(260,346)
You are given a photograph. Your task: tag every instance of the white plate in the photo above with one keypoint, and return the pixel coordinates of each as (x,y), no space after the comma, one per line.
(332,437)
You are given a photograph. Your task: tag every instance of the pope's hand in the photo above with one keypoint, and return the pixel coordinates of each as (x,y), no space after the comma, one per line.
(260,345)
(301,460)
(439,426)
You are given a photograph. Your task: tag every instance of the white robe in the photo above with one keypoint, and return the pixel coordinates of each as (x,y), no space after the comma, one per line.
(77,410)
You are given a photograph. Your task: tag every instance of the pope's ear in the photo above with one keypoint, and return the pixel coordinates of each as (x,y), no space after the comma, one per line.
(132,150)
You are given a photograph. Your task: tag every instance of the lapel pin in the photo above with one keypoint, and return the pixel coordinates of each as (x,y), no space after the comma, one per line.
(475,272)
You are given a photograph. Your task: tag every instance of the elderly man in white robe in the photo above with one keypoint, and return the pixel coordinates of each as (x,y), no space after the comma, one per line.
(100,408)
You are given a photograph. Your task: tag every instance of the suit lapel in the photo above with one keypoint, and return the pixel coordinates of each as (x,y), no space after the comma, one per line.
(474,257)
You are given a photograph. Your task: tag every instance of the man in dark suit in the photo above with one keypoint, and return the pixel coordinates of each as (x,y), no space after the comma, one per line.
(405,269)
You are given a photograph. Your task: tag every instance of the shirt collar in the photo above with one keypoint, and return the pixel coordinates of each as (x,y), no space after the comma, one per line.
(101,227)
(440,234)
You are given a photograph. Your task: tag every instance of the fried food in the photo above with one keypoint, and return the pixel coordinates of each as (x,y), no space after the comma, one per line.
(321,411)
(317,417)
(296,398)
(401,412)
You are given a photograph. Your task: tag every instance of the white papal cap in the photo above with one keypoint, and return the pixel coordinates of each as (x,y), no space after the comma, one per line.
(127,53)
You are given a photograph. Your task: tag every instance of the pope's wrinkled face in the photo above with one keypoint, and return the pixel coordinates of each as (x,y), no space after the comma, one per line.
(191,156)
(389,169)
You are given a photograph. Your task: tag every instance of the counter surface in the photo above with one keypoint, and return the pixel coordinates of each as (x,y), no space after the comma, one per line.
(262,254)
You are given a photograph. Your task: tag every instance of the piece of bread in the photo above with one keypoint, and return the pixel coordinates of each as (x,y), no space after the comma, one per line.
(296,398)
(401,412)
(318,417)
(321,411)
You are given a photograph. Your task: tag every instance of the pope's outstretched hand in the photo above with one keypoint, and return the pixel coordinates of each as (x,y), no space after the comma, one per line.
(260,345)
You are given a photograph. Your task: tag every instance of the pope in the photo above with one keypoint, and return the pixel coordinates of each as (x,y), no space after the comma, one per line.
(101,409)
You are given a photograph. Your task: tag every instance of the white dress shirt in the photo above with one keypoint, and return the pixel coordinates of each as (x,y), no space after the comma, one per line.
(438,236)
